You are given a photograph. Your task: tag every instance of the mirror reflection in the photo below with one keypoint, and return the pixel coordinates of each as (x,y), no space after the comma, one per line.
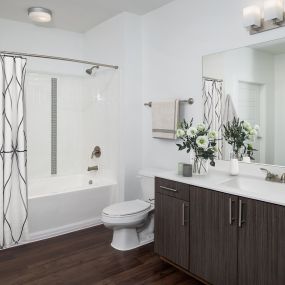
(248,83)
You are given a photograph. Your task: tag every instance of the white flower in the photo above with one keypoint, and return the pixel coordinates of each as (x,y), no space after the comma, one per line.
(257,127)
(251,138)
(253,132)
(202,142)
(191,132)
(246,125)
(201,127)
(212,135)
(180,133)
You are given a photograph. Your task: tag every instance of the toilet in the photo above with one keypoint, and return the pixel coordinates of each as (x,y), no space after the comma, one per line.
(132,222)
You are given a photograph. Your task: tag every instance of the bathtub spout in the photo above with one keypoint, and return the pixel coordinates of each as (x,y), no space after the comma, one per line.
(91,168)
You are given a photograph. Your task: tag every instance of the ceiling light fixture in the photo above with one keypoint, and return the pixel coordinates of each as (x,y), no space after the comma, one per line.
(39,15)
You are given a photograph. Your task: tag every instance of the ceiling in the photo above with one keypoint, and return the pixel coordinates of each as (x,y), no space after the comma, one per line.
(78,15)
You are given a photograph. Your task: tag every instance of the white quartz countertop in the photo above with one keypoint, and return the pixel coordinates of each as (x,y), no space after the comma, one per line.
(242,185)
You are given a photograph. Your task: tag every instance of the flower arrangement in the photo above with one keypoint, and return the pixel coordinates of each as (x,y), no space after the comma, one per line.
(201,140)
(241,135)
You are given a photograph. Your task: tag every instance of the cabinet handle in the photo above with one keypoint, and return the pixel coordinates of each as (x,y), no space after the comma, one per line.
(169,189)
(183,213)
(240,214)
(231,219)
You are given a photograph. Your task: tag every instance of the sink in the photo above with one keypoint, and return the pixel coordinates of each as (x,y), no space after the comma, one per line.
(213,178)
(254,185)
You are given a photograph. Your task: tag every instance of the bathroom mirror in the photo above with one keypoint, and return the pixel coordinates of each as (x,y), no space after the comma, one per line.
(249,81)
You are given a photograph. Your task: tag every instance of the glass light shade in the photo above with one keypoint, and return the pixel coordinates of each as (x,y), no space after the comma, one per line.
(251,16)
(273,10)
(40,15)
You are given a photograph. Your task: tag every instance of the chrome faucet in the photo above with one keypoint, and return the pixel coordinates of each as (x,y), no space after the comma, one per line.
(273,177)
(91,168)
(283,178)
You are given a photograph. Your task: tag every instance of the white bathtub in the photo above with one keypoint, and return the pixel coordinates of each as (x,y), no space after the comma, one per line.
(62,204)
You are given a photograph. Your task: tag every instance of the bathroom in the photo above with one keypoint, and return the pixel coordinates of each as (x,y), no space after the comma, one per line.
(140,52)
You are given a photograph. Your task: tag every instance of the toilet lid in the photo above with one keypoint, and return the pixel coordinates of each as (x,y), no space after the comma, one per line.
(127,208)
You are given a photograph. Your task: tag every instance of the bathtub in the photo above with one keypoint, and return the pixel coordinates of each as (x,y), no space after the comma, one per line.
(62,204)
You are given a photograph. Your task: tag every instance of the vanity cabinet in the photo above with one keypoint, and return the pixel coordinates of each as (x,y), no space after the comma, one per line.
(261,243)
(213,236)
(172,221)
(219,238)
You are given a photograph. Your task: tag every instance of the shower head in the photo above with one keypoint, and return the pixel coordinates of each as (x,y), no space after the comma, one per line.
(90,70)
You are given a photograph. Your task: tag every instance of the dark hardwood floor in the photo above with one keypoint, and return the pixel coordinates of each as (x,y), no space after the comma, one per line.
(86,257)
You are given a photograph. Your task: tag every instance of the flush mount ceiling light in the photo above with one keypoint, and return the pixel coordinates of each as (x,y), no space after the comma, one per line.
(273,11)
(39,15)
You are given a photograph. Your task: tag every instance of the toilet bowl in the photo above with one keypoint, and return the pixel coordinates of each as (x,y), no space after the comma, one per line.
(132,222)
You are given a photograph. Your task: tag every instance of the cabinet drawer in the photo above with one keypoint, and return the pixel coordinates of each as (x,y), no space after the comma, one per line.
(172,188)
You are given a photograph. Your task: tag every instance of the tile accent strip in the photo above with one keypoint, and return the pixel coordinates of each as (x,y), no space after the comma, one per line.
(54,126)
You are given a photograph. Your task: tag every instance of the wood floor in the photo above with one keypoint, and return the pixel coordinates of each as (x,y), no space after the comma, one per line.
(86,257)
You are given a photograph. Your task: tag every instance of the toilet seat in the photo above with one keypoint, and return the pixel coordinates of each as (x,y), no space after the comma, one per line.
(127,208)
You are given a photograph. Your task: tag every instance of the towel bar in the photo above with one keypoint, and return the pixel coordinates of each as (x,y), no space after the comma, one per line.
(189,101)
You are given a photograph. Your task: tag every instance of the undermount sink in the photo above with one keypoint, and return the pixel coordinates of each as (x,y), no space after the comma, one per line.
(254,185)
(214,178)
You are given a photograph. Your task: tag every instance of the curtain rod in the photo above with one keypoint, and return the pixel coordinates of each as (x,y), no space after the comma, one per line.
(12,53)
(213,79)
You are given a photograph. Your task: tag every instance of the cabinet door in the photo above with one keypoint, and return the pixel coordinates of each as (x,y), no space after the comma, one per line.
(261,246)
(213,236)
(172,229)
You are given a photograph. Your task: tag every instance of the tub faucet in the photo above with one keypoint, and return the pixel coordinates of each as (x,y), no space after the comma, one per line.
(91,168)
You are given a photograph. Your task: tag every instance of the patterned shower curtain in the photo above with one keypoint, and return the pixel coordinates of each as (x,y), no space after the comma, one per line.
(13,189)
(212,99)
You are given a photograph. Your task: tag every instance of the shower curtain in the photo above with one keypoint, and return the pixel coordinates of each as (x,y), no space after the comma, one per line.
(13,196)
(212,99)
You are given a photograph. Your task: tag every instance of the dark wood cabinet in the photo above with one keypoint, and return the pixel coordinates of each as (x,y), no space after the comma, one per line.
(172,224)
(220,238)
(261,246)
(213,236)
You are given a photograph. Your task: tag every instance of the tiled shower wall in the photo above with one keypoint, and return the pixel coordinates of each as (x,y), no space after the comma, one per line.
(87,115)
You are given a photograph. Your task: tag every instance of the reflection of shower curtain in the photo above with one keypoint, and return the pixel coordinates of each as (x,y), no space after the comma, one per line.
(212,98)
(13,196)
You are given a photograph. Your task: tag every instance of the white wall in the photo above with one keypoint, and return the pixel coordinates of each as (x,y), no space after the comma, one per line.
(21,37)
(118,41)
(175,37)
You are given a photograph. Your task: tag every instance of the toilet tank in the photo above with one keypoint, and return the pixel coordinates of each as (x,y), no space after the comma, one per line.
(146,177)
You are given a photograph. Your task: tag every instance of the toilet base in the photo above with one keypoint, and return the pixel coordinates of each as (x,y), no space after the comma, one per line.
(128,238)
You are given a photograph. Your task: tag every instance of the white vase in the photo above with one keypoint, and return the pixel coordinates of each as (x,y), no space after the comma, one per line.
(200,166)
(234,164)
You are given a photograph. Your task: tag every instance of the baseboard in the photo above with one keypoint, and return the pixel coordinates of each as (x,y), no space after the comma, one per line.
(41,235)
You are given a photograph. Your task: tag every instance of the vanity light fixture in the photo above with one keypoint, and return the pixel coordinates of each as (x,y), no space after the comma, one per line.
(39,15)
(252,17)
(273,12)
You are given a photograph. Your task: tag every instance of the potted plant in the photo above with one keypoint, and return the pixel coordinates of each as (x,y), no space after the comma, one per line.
(240,135)
(202,141)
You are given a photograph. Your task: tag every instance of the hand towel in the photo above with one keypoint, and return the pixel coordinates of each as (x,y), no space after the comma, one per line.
(165,117)
(229,110)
